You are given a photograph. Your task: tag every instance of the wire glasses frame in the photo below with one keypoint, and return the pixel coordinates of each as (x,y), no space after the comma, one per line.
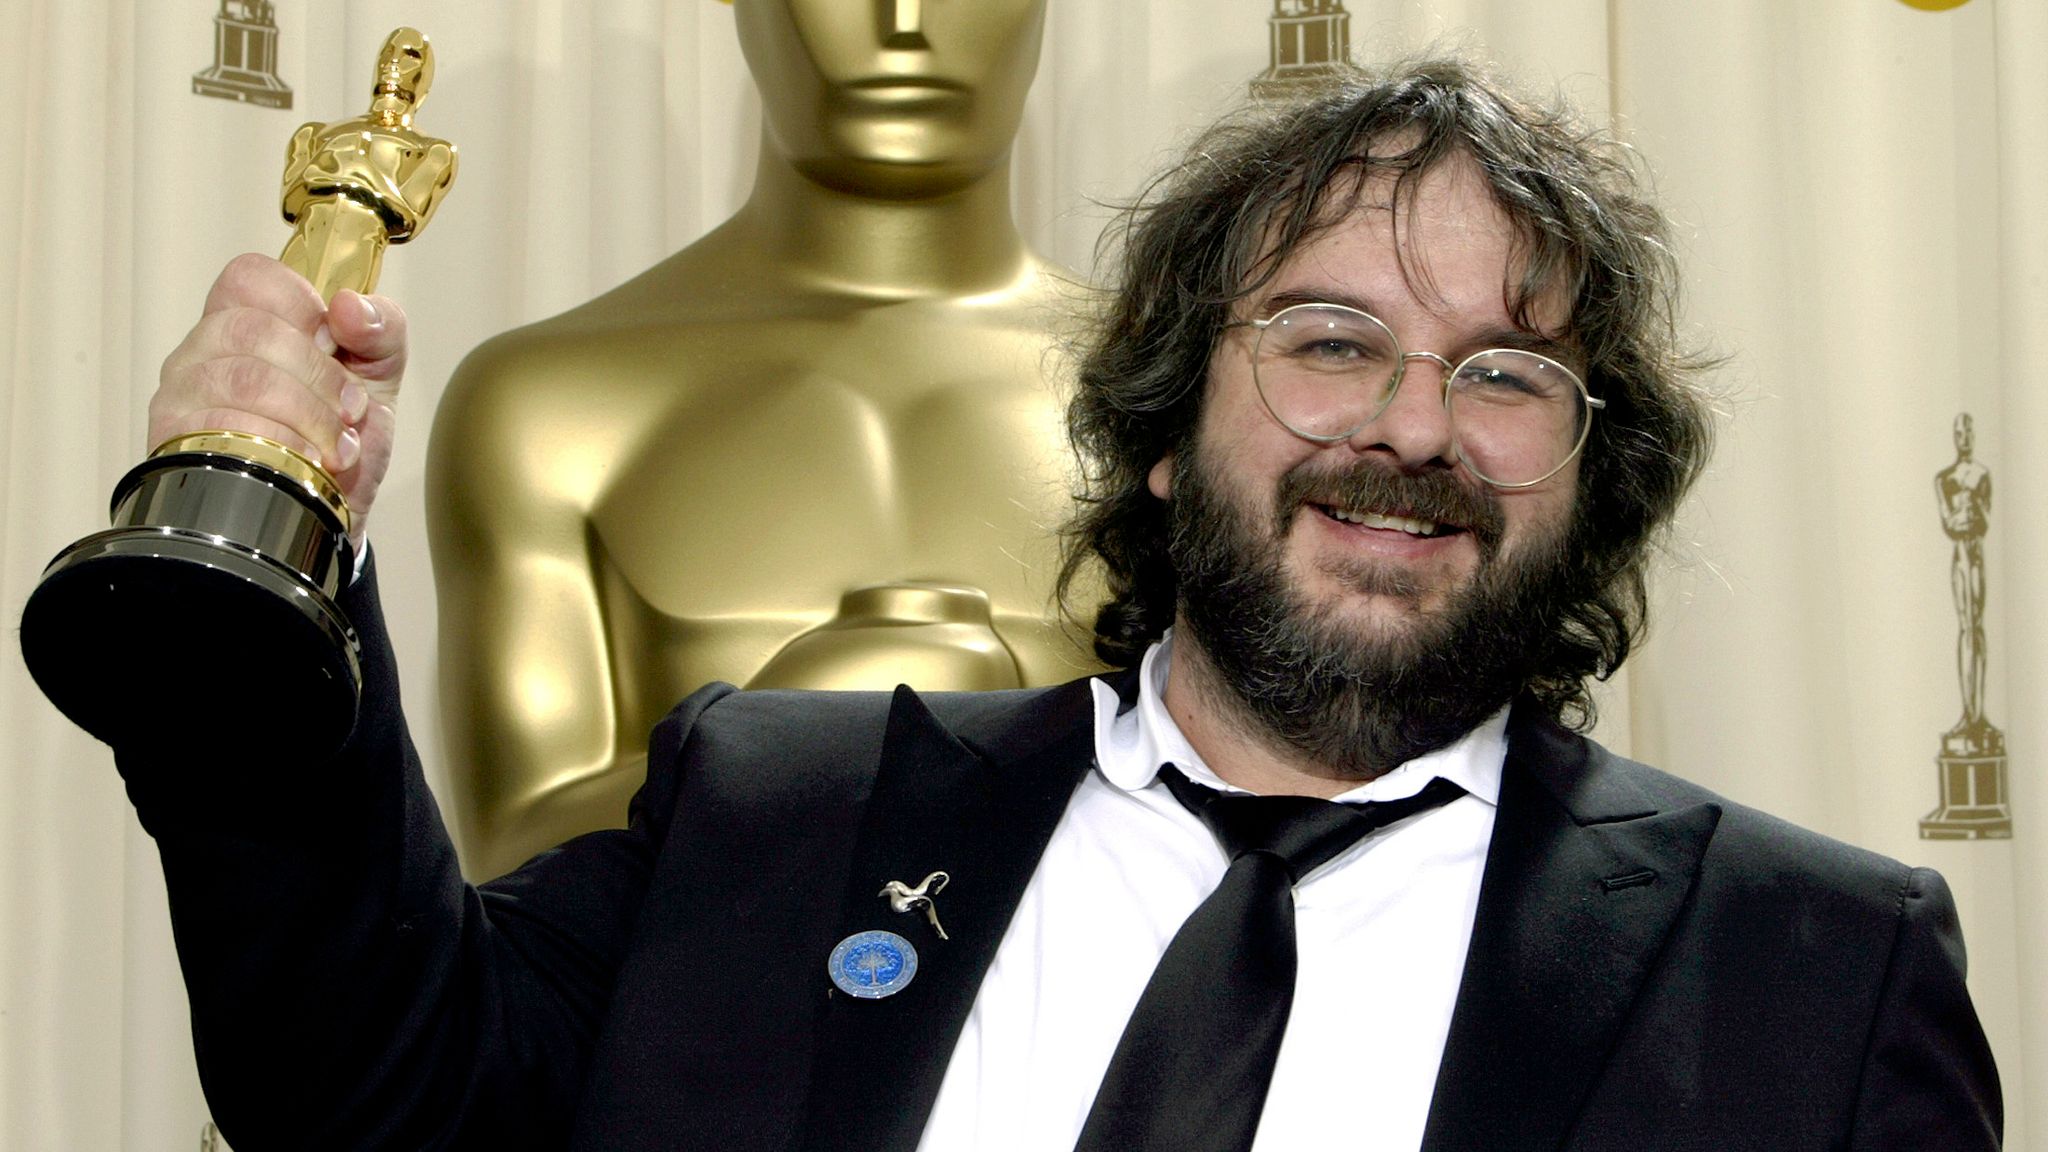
(1313,362)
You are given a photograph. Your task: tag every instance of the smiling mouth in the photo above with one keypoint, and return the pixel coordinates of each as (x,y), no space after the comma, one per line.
(1413,526)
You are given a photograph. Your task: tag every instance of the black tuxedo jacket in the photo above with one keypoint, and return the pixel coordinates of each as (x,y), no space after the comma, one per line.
(1651,967)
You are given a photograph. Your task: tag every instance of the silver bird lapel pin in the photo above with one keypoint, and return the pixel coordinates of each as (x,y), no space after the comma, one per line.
(904,898)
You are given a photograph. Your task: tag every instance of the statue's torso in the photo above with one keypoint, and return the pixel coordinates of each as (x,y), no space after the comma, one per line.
(809,457)
(683,481)
(1965,497)
(371,162)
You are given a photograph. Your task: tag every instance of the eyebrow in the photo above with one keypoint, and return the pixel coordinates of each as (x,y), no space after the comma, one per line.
(1520,341)
(1515,339)
(1292,297)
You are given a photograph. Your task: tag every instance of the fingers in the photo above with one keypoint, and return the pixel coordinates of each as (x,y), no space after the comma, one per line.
(253,281)
(270,358)
(262,360)
(360,483)
(241,360)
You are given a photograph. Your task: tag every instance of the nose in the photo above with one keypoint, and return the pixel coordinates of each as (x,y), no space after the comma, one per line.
(1415,426)
(903,25)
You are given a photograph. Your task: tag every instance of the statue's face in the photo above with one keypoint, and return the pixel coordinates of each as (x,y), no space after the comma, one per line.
(1964,435)
(892,97)
(406,66)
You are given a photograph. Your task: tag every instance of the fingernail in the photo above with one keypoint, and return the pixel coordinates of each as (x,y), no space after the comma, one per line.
(354,402)
(323,339)
(347,449)
(371,317)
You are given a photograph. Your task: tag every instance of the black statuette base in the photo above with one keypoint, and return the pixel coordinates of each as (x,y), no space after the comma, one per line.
(207,610)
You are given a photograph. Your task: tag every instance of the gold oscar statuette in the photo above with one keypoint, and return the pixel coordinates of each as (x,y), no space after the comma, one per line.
(212,596)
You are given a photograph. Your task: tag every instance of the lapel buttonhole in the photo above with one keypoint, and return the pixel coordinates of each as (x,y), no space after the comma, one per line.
(1628,880)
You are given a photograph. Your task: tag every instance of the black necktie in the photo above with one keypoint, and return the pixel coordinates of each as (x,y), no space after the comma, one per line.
(1191,1071)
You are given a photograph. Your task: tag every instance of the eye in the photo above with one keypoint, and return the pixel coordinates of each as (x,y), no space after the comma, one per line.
(1486,381)
(1327,348)
(1320,343)
(1505,377)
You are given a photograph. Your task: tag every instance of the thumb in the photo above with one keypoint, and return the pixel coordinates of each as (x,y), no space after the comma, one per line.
(370,340)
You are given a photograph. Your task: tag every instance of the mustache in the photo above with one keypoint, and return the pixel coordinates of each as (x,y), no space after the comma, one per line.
(1437,495)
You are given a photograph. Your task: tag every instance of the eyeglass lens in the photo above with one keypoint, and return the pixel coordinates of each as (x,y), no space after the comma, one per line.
(1326,371)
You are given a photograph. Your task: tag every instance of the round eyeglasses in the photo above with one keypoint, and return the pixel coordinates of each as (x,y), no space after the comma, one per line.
(1324,371)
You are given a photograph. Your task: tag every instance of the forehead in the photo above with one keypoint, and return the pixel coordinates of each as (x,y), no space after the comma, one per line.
(1438,243)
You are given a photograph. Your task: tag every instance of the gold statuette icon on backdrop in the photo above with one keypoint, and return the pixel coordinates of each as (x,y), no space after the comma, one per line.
(244,56)
(1974,804)
(1308,45)
(227,550)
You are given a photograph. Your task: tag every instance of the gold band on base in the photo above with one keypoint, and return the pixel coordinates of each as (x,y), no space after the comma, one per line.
(263,450)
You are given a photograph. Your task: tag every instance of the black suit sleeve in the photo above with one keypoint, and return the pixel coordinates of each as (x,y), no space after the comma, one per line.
(1928,1080)
(348,989)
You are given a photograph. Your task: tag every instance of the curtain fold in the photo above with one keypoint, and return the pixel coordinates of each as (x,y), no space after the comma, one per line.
(2019,64)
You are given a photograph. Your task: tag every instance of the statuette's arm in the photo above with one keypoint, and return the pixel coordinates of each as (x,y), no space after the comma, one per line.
(429,181)
(298,153)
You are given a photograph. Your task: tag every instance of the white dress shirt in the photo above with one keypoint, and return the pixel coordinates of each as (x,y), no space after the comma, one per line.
(1382,931)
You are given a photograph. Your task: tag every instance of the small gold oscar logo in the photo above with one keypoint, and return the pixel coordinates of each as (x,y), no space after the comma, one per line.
(1309,41)
(1971,762)
(244,56)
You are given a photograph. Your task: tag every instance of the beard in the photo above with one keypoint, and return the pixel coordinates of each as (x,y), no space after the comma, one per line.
(1355,697)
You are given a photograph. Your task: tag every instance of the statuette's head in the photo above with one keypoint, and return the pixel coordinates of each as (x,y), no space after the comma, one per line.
(892,97)
(405,70)
(1966,435)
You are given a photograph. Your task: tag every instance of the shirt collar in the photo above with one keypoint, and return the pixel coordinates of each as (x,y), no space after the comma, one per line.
(1131,744)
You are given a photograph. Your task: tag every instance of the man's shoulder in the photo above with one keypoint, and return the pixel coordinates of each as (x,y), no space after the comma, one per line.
(1749,847)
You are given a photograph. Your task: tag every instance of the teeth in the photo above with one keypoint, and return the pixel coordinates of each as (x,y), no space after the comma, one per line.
(1395,523)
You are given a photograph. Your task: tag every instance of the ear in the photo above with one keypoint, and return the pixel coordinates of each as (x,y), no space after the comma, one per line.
(1160,478)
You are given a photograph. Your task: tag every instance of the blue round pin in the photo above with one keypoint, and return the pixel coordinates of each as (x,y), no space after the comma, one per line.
(871,965)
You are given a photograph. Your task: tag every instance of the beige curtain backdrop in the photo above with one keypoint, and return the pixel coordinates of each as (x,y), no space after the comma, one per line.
(1859,187)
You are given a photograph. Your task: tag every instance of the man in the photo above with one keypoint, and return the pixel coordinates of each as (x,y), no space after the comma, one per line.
(1381,421)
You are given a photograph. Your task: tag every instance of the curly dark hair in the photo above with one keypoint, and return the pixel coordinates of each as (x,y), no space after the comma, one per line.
(1215,228)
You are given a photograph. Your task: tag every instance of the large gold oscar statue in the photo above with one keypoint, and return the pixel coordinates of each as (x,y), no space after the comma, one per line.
(820,446)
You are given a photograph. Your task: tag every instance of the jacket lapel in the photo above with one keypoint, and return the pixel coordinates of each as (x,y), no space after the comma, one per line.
(1584,880)
(979,808)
